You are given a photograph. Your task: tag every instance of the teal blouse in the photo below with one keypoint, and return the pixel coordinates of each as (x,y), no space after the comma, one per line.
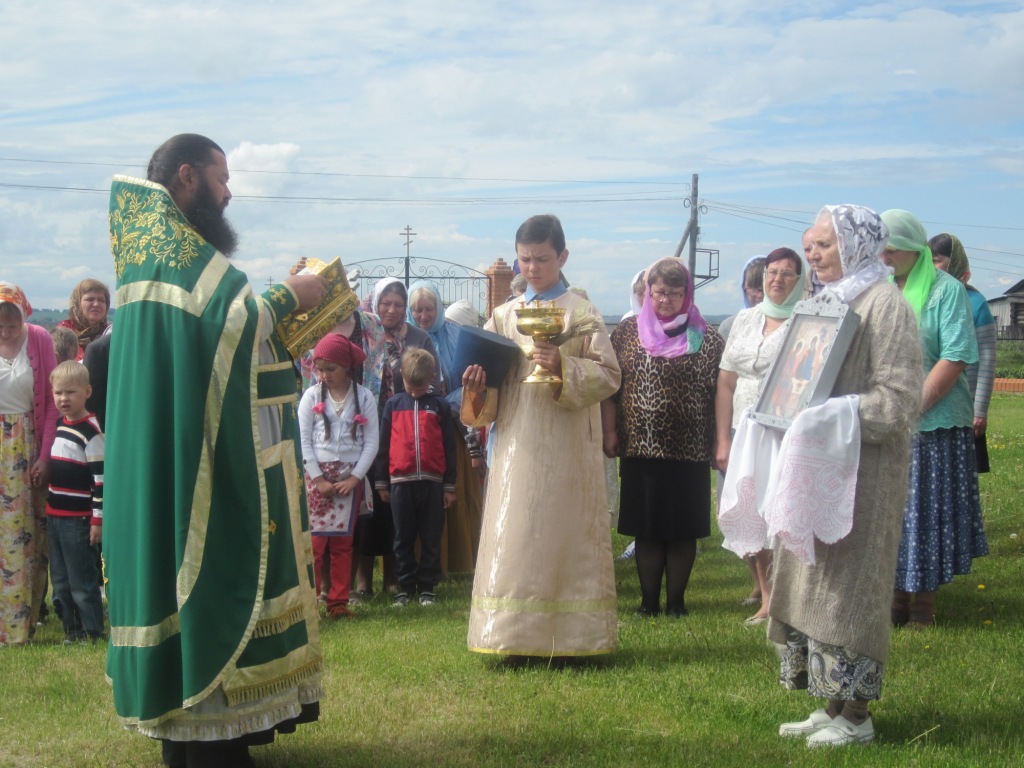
(947,333)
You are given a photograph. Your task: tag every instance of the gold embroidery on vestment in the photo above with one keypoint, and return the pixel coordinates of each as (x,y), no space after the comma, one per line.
(140,230)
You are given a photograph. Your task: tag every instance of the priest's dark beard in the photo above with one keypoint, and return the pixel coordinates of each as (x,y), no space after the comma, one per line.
(209,221)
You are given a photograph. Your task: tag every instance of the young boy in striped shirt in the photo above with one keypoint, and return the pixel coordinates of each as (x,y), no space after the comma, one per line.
(74,506)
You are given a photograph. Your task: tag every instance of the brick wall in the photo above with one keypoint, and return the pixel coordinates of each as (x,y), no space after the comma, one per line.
(1009,385)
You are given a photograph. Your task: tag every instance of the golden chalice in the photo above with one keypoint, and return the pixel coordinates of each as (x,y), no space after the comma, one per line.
(543,324)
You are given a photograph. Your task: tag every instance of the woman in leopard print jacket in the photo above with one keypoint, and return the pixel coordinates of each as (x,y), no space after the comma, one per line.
(661,426)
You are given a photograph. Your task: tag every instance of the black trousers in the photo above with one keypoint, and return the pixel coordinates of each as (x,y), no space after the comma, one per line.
(418,511)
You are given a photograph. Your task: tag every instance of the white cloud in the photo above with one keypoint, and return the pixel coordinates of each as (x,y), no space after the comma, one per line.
(779,106)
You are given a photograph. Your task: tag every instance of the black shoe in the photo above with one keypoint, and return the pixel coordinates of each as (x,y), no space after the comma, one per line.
(172,753)
(217,754)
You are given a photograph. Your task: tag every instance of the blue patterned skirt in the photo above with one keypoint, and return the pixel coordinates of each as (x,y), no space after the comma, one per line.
(942,527)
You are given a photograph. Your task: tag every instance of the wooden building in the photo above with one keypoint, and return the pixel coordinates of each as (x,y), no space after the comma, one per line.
(1008,311)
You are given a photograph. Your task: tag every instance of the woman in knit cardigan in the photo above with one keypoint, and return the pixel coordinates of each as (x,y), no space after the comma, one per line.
(830,619)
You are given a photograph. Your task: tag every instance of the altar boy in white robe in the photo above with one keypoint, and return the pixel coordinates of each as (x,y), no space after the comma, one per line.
(544,583)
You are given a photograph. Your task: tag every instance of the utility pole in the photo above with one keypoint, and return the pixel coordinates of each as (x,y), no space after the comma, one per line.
(407,233)
(691,233)
(692,228)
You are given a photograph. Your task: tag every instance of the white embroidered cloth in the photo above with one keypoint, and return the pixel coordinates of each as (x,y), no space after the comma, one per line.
(798,487)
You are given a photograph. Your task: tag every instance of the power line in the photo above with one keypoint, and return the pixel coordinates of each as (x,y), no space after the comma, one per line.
(993,250)
(305,199)
(52,188)
(684,184)
(724,209)
(756,220)
(450,201)
(740,211)
(994,271)
(973,226)
(756,209)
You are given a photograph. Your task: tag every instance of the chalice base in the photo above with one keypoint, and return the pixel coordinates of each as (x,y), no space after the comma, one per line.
(541,375)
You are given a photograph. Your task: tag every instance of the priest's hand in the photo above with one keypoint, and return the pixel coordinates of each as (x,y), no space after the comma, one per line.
(309,289)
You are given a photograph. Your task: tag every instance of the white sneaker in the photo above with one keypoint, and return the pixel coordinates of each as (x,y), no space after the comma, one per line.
(818,719)
(841,732)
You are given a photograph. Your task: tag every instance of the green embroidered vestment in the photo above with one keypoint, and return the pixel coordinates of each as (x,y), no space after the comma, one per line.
(206,543)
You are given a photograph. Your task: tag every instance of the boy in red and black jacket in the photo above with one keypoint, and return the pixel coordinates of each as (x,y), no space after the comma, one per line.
(417,452)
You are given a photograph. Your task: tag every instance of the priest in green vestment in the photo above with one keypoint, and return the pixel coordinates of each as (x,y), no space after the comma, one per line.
(214,640)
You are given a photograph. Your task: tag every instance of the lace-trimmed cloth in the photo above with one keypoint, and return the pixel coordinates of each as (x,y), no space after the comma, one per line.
(797,488)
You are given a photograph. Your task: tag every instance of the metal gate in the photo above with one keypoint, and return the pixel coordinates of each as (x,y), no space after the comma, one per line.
(455,281)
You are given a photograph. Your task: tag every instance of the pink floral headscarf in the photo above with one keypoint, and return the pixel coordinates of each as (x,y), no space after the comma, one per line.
(682,335)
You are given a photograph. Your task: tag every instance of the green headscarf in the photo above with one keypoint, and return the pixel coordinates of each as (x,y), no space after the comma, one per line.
(785,309)
(958,264)
(906,233)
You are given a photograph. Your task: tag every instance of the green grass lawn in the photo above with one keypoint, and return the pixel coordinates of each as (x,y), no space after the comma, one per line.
(402,690)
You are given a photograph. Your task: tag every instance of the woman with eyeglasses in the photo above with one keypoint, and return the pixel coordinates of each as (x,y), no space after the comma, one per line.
(754,342)
(661,426)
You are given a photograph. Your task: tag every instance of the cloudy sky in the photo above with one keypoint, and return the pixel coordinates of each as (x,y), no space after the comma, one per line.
(344,122)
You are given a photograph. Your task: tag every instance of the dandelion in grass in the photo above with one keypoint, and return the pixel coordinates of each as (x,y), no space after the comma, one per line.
(981,586)
(987,622)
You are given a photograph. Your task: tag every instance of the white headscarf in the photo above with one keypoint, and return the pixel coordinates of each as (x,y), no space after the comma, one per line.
(461,312)
(382,285)
(635,302)
(861,235)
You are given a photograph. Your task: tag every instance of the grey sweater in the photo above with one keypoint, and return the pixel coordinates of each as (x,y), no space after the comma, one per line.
(845,597)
